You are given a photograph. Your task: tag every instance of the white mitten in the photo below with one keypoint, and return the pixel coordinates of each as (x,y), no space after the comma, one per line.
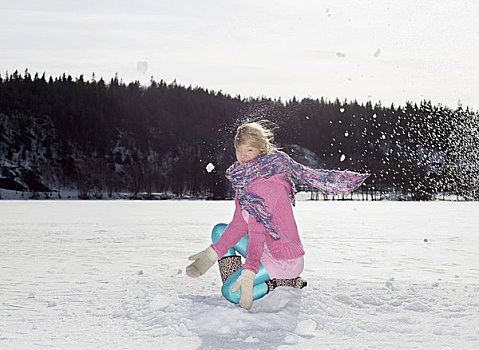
(244,283)
(202,262)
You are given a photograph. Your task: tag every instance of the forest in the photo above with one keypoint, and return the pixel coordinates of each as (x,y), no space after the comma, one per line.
(101,137)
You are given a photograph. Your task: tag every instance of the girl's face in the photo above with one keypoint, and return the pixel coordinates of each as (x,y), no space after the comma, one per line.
(246,152)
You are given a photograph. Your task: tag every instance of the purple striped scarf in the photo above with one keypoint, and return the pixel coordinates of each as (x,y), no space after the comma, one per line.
(276,162)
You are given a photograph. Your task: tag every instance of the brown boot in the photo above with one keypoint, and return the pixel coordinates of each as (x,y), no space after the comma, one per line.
(228,266)
(297,282)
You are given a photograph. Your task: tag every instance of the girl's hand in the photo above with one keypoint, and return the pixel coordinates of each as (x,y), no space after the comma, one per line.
(202,262)
(245,285)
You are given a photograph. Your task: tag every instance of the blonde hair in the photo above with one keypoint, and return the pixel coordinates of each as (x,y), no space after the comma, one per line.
(256,134)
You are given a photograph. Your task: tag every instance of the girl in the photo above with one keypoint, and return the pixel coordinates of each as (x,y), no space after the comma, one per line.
(263,229)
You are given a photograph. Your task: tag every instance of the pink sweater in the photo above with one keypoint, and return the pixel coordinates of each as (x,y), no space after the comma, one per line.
(275,193)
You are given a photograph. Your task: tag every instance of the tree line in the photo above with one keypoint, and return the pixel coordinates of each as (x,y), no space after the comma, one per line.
(106,137)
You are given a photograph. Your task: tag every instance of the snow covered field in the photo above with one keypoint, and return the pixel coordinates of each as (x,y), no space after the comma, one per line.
(111,275)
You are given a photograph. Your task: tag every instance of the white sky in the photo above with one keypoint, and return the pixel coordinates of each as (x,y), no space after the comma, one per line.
(428,49)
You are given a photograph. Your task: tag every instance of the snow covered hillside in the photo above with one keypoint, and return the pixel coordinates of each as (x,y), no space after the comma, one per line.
(111,275)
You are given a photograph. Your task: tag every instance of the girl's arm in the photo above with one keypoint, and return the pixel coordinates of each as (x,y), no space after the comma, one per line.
(236,229)
(257,234)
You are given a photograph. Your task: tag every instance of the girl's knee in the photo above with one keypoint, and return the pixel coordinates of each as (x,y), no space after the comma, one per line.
(260,288)
(229,283)
(217,231)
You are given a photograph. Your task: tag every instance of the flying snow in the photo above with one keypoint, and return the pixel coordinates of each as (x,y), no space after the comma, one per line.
(142,66)
(342,158)
(210,167)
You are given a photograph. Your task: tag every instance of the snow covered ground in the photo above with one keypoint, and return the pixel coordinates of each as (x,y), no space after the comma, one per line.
(111,275)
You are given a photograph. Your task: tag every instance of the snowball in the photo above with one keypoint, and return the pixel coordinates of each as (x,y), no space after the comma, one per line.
(306,327)
(389,284)
(341,110)
(291,339)
(251,339)
(342,158)
(209,167)
(346,134)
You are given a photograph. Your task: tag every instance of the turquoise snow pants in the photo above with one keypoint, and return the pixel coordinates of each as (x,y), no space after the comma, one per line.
(260,288)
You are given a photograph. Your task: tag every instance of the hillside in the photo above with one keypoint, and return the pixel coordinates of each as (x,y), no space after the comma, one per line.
(99,139)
